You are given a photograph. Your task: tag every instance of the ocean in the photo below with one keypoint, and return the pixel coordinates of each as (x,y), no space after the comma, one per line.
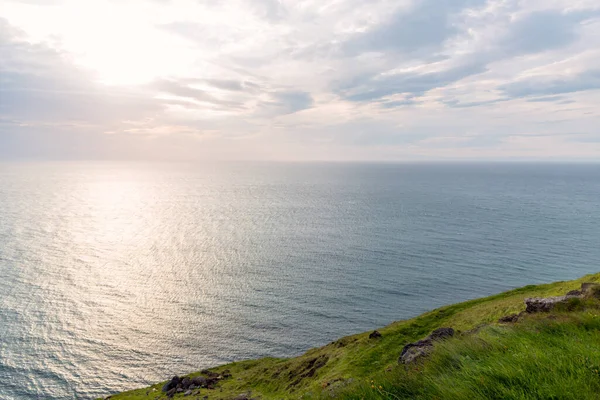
(118,275)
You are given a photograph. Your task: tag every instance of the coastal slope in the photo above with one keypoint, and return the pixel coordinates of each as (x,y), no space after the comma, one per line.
(495,350)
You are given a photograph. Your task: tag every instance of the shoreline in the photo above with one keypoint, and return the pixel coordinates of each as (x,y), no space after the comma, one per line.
(344,364)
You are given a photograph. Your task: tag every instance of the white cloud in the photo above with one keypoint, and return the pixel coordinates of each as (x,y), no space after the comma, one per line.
(333,79)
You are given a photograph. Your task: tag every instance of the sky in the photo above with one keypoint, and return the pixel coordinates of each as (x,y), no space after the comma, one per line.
(337,80)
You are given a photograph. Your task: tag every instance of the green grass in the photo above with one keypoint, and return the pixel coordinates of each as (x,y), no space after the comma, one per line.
(539,358)
(546,356)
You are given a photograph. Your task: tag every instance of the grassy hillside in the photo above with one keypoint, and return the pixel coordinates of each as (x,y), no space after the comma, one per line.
(548,355)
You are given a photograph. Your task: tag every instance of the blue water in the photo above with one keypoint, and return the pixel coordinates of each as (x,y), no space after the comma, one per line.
(117,275)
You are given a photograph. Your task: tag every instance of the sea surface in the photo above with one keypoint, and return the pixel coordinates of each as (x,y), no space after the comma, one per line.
(118,275)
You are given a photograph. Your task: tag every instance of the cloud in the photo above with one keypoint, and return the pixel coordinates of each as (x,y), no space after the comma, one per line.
(362,80)
(544,30)
(197,33)
(228,84)
(273,10)
(39,2)
(180,89)
(412,83)
(454,103)
(292,101)
(40,84)
(424,26)
(430,28)
(553,85)
(548,99)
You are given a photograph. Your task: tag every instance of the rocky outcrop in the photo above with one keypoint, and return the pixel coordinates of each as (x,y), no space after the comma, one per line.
(189,386)
(441,333)
(417,350)
(172,384)
(589,287)
(539,304)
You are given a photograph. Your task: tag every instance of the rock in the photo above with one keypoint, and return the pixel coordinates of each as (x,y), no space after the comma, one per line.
(171,384)
(591,289)
(199,381)
(185,383)
(413,354)
(209,373)
(585,287)
(171,392)
(538,304)
(441,333)
(414,351)
(574,293)
(226,374)
(375,335)
(509,319)
(188,393)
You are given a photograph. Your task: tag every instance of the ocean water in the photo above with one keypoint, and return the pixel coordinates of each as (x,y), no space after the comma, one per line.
(117,275)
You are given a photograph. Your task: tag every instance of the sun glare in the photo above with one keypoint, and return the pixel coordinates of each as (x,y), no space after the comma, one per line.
(132,51)
(121,44)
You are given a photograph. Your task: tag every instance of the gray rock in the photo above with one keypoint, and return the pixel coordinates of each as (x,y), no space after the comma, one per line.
(539,304)
(414,351)
(185,383)
(171,384)
(586,287)
(413,354)
(509,319)
(209,373)
(441,333)
(200,381)
(188,393)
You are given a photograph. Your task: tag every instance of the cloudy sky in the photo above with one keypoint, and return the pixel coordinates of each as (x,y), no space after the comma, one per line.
(300,79)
